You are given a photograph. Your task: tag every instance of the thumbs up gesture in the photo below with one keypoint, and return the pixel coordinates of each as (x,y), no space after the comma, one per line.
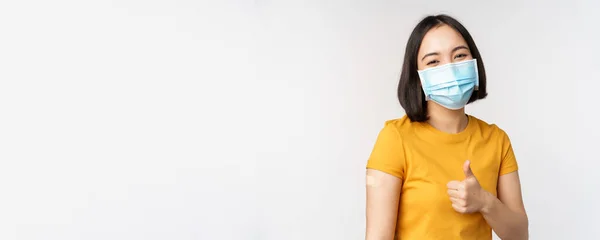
(466,196)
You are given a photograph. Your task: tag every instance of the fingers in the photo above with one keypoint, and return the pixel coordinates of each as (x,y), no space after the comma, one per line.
(452,193)
(455,185)
(459,194)
(467,169)
(456,189)
(459,208)
(459,205)
(459,191)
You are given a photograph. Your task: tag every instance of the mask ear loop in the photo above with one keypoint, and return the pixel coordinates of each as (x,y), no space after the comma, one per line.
(421,86)
(476,74)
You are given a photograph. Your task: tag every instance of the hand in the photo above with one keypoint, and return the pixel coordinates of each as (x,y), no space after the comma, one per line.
(467,196)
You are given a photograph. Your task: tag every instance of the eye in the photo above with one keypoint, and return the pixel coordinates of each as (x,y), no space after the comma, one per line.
(432,62)
(461,55)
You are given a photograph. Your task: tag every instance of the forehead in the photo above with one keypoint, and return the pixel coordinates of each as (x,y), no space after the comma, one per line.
(441,39)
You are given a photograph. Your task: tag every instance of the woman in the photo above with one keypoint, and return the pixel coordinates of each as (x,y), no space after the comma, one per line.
(437,173)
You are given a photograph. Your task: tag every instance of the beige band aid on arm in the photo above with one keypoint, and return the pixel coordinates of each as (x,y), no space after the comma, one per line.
(373,181)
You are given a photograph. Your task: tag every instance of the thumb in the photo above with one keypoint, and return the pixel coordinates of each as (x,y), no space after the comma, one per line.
(467,169)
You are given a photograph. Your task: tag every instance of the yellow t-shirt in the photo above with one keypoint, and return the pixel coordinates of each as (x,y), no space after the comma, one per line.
(426,159)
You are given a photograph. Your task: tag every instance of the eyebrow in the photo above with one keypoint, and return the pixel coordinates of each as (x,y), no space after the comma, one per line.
(453,50)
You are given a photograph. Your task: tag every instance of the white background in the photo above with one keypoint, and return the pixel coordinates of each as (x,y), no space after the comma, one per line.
(183,120)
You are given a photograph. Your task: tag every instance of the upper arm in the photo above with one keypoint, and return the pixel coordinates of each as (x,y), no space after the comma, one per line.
(509,192)
(509,184)
(509,161)
(388,153)
(385,171)
(383,196)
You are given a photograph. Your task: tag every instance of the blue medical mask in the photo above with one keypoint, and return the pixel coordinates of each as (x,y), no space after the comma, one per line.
(450,85)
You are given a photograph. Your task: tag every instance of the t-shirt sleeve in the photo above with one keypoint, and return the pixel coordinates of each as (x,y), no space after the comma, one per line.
(509,161)
(388,154)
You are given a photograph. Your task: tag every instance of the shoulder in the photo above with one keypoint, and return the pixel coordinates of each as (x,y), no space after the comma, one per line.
(398,129)
(490,129)
(398,125)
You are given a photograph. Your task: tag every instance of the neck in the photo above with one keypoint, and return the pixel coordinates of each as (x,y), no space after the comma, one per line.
(446,120)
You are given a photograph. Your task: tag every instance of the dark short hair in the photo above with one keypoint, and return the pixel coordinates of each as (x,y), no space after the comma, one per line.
(410,93)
